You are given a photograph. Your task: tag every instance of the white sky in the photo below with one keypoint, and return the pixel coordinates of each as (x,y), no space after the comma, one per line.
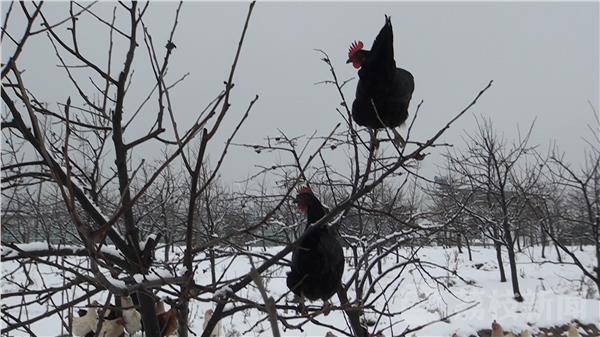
(543,58)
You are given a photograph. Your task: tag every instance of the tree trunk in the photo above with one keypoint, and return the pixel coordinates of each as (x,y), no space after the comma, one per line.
(500,265)
(379,267)
(558,255)
(213,272)
(598,266)
(445,242)
(353,315)
(167,246)
(518,240)
(498,247)
(512,261)
(468,248)
(533,240)
(544,241)
(182,318)
(151,328)
(367,272)
(597,239)
(357,270)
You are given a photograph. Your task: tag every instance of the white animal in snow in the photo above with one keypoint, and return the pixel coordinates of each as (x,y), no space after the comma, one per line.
(112,328)
(87,321)
(573,331)
(132,317)
(525,333)
(217,330)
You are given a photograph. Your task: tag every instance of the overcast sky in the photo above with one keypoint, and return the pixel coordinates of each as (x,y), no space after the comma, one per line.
(543,58)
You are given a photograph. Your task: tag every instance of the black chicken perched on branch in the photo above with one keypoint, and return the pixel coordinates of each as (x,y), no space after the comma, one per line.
(318,261)
(383,92)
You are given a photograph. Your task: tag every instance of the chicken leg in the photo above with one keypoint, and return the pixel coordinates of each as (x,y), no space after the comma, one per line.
(398,139)
(301,305)
(327,306)
(374,141)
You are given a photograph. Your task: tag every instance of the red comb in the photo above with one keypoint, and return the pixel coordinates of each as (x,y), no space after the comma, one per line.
(304,189)
(354,47)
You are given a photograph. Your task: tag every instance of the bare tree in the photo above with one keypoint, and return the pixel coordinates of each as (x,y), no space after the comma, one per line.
(448,194)
(490,171)
(567,202)
(581,191)
(100,125)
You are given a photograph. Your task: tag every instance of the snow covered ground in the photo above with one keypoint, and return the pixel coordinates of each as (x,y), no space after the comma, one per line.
(554,295)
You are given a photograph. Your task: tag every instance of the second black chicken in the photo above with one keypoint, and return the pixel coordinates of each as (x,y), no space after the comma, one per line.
(318,261)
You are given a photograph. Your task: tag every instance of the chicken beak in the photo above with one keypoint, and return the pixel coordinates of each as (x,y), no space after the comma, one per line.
(349,61)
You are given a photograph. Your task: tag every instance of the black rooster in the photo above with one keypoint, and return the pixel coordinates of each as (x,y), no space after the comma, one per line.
(381,84)
(318,261)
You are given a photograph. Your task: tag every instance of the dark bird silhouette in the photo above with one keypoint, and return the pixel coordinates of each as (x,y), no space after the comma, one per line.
(383,91)
(318,261)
